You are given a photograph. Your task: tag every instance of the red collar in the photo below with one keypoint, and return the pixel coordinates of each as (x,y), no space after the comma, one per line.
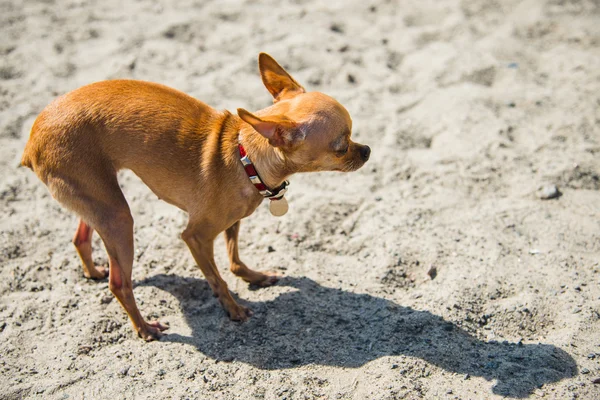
(271,194)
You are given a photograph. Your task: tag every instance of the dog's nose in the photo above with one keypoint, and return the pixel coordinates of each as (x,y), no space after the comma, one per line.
(365,152)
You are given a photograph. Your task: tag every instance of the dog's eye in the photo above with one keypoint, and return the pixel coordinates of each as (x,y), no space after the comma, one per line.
(343,152)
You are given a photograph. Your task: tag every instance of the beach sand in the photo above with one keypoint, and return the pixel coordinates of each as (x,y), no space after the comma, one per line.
(435,271)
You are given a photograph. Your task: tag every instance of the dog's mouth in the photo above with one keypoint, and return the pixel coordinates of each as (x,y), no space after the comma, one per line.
(352,165)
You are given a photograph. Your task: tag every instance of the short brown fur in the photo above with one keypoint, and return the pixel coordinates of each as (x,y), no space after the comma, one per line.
(187,153)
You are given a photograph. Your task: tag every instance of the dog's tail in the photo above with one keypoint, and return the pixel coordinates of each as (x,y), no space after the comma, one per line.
(29,153)
(26,161)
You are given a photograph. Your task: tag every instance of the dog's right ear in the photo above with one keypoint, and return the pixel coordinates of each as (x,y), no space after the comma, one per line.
(279,130)
(278,82)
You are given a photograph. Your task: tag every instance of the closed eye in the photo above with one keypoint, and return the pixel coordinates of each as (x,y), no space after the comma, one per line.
(342,152)
(341,145)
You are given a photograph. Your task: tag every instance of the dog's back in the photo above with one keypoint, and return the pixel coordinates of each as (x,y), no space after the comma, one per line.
(86,121)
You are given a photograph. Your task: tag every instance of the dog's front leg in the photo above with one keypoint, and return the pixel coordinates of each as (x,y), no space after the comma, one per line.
(202,250)
(238,267)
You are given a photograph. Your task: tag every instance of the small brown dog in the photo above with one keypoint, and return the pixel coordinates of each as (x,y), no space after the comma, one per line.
(191,156)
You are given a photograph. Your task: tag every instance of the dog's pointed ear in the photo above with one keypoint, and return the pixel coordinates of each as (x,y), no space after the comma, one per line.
(280,131)
(278,82)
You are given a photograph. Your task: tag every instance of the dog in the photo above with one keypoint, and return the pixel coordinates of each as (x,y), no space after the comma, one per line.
(215,165)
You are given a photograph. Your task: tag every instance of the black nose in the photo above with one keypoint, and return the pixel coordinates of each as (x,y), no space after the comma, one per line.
(365,152)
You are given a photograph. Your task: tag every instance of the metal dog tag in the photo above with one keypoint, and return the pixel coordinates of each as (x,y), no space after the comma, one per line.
(278,207)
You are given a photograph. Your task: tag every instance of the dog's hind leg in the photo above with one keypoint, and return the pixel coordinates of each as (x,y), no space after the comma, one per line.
(117,235)
(101,204)
(83,244)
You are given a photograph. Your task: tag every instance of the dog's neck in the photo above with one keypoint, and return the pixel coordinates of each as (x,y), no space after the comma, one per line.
(268,160)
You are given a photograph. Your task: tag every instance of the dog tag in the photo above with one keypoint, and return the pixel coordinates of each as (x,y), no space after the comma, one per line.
(278,207)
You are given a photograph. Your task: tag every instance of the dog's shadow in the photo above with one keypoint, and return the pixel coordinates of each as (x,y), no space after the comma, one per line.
(318,325)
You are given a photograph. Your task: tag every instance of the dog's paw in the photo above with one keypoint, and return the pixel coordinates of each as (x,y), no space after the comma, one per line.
(152,331)
(97,273)
(265,279)
(239,313)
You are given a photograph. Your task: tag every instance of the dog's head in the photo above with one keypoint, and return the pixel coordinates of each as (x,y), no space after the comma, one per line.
(310,129)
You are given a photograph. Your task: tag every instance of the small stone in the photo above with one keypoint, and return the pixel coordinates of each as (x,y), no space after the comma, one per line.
(106,299)
(467,377)
(548,192)
(394,366)
(591,356)
(336,28)
(161,372)
(596,381)
(432,272)
(351,78)
(449,391)
(124,371)
(585,371)
(270,249)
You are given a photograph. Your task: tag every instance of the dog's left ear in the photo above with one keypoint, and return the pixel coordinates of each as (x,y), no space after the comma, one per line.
(277,81)
(279,130)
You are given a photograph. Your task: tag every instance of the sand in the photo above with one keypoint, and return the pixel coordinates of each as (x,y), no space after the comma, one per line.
(436,271)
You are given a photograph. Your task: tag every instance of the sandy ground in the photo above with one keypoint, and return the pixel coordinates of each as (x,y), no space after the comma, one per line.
(469,106)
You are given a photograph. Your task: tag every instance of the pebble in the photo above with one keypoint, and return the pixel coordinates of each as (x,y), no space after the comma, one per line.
(585,371)
(548,192)
(432,272)
(336,28)
(596,381)
(106,299)
(591,356)
(270,249)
